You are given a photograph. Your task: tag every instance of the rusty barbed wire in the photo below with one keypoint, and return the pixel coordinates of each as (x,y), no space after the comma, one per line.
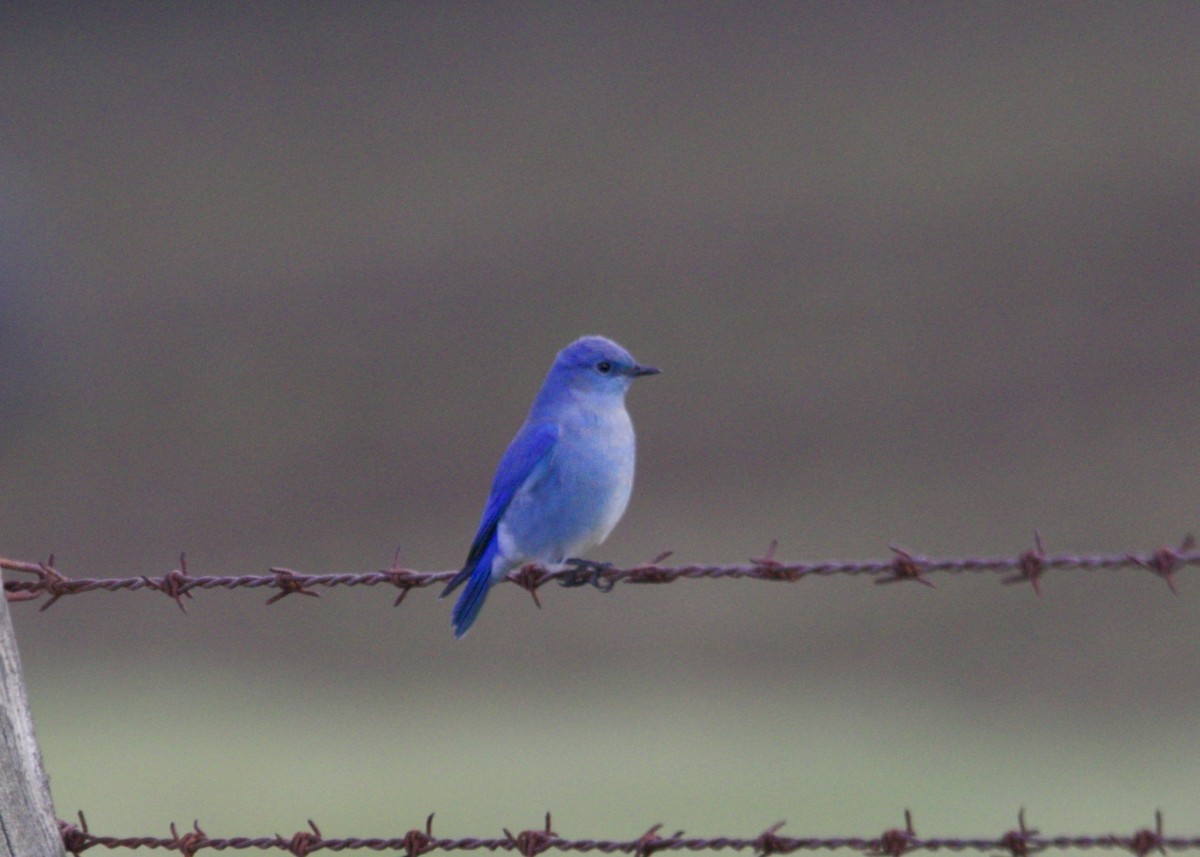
(1018,842)
(1029,567)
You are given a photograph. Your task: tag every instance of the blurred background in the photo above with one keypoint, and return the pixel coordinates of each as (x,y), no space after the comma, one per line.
(279,281)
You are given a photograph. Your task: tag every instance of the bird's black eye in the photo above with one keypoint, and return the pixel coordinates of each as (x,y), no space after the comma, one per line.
(603,367)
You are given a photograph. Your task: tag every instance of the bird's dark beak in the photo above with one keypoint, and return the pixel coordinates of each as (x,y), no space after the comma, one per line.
(639,371)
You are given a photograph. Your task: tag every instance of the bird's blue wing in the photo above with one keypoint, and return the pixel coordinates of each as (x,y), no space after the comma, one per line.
(529,448)
(524,459)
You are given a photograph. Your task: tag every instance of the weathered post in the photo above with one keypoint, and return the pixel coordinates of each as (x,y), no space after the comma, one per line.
(28,827)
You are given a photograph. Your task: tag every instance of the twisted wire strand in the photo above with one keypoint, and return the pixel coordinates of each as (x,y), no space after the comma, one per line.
(1019,842)
(1027,567)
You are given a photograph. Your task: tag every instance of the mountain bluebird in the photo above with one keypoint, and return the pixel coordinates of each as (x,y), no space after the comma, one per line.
(565,479)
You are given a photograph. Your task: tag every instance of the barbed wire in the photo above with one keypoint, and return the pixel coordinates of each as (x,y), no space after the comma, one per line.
(1029,567)
(1019,842)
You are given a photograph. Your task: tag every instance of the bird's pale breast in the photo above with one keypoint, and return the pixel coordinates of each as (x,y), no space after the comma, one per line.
(582,494)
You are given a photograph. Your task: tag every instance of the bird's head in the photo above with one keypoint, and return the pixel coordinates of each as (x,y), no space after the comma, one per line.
(594,364)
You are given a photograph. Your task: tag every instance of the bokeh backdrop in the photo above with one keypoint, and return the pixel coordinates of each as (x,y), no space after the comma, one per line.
(280,279)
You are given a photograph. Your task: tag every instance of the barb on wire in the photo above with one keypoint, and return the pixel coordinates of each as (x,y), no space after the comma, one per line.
(1020,842)
(1030,567)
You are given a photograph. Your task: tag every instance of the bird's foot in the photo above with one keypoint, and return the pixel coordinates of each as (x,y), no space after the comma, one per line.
(585,571)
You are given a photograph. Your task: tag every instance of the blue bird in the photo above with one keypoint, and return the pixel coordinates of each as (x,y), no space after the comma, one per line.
(564,481)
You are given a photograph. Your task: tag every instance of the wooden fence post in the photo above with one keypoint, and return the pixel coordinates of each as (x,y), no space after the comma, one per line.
(28,826)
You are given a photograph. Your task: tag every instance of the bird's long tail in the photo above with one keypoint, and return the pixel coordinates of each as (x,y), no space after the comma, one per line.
(479,581)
